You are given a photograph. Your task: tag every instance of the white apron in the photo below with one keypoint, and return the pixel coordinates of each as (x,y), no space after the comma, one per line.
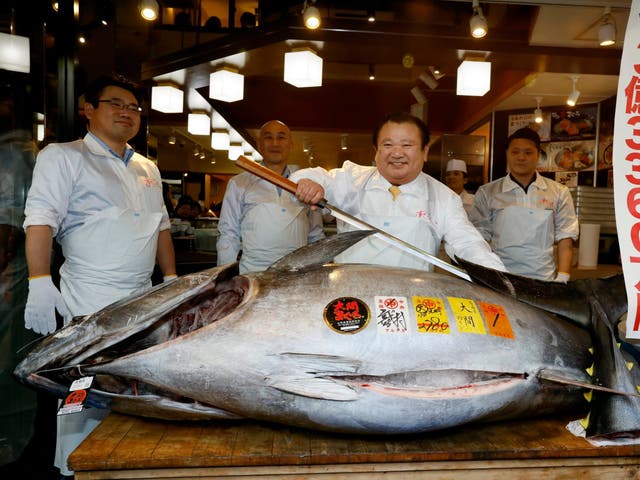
(109,257)
(270,231)
(523,238)
(375,251)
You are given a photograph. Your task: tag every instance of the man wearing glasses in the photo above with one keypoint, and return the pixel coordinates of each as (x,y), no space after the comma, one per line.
(397,197)
(103,203)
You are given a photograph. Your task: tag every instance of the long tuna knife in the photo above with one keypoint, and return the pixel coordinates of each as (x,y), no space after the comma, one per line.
(286,184)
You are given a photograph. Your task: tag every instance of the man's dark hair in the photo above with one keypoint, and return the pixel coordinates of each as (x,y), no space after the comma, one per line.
(95,88)
(527,134)
(403,117)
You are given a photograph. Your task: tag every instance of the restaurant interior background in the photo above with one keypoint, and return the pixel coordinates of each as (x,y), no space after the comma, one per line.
(378,56)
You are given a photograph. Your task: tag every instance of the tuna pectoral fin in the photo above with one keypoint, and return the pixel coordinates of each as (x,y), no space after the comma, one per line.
(555,377)
(314,387)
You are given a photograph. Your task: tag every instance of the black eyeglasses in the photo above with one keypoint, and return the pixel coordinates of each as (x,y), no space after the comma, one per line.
(120,105)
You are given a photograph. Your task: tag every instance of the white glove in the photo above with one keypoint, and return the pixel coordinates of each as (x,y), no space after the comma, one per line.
(168,278)
(562,277)
(43,301)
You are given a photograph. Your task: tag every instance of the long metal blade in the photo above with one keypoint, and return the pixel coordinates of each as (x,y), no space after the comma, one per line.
(395,241)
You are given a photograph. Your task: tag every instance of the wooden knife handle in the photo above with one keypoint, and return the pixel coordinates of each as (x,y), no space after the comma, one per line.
(266,174)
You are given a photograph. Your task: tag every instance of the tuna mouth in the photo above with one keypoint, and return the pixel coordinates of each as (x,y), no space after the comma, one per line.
(438,384)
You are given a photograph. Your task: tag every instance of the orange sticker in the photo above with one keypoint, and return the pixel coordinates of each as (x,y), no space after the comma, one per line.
(497,320)
(431,316)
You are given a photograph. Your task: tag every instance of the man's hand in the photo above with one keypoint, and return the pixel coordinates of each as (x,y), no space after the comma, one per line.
(43,301)
(309,191)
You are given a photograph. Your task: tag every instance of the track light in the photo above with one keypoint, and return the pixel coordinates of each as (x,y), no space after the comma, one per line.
(418,95)
(343,142)
(372,72)
(607,31)
(311,15)
(575,93)
(429,80)
(148,9)
(371,14)
(537,113)
(477,23)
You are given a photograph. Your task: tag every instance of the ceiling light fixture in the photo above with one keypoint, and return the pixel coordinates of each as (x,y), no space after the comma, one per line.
(436,72)
(220,139)
(607,30)
(235,150)
(227,85)
(198,124)
(428,80)
(343,142)
(149,9)
(418,95)
(372,72)
(303,68)
(572,99)
(537,113)
(311,15)
(167,99)
(474,78)
(478,22)
(371,14)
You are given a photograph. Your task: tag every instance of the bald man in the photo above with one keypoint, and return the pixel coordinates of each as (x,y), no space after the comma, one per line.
(261,219)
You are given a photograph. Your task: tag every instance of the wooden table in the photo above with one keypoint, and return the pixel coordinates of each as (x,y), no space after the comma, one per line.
(124,447)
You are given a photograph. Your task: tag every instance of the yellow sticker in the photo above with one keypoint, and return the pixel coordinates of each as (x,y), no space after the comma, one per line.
(467,315)
(497,320)
(431,316)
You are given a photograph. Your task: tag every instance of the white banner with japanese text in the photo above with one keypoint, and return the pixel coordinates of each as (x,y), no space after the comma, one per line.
(626,167)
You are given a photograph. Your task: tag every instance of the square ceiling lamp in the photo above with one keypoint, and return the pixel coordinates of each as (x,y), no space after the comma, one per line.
(220,139)
(474,78)
(235,150)
(167,99)
(303,68)
(227,85)
(14,53)
(198,124)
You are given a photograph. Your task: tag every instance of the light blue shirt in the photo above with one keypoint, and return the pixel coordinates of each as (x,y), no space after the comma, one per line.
(244,192)
(72,181)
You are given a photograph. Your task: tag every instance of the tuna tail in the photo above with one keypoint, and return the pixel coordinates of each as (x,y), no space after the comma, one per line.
(595,304)
(320,252)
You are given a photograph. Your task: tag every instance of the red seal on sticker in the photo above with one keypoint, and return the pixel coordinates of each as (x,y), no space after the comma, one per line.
(346,315)
(75,397)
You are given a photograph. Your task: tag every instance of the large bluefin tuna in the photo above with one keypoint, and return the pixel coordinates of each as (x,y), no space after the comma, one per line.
(347,348)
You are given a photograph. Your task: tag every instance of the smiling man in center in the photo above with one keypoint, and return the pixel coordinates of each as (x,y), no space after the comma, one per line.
(397,197)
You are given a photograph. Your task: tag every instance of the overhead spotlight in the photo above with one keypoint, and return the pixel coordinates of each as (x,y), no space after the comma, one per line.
(607,31)
(343,142)
(372,72)
(311,15)
(537,113)
(436,72)
(428,80)
(148,9)
(171,140)
(305,145)
(575,93)
(478,23)
(371,14)
(82,38)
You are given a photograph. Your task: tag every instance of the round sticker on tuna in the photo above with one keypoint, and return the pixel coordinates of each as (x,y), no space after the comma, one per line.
(346,315)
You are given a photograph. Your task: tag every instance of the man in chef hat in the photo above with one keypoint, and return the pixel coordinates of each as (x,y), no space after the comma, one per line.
(456,178)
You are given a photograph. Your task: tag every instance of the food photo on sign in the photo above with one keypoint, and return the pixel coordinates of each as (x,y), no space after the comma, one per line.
(570,156)
(574,124)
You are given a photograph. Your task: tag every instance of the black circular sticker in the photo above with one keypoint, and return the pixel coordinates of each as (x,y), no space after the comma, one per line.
(346,315)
